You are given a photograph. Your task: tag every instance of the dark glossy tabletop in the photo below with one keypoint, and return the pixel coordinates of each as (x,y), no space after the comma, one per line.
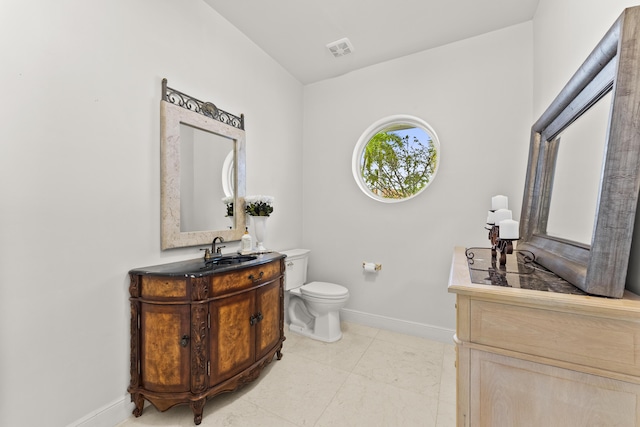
(199,267)
(520,272)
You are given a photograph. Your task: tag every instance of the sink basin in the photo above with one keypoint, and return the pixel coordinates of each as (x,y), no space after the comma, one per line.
(229,260)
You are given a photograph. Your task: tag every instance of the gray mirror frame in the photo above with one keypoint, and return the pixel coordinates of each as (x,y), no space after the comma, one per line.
(599,268)
(171,116)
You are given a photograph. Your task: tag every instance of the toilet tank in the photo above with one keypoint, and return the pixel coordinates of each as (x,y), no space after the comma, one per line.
(296,265)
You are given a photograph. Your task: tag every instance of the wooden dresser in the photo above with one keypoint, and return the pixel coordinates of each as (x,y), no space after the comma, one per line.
(197,332)
(535,358)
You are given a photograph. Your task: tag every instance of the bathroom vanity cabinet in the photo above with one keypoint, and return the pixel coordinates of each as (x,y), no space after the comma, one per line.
(197,332)
(534,358)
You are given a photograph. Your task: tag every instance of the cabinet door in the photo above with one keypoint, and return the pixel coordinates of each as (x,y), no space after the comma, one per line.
(511,392)
(268,307)
(232,335)
(164,347)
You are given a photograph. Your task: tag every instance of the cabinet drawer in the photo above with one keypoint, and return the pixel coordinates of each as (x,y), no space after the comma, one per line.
(611,344)
(247,278)
(163,288)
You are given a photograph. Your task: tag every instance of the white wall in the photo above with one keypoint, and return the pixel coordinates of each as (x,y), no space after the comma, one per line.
(476,94)
(565,33)
(80,179)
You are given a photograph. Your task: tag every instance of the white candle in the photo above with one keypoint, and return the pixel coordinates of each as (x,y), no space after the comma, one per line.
(500,215)
(490,218)
(499,202)
(509,229)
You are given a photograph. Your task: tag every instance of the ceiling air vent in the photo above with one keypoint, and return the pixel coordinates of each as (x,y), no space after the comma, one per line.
(340,48)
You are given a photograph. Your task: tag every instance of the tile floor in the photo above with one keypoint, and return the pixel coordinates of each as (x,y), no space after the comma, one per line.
(371,377)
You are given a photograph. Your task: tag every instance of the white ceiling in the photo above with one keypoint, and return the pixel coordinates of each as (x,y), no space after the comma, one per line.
(295,32)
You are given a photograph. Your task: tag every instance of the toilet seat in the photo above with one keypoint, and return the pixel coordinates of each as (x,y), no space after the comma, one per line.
(324,290)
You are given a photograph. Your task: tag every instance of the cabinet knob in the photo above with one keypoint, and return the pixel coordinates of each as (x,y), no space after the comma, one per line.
(184,341)
(255,319)
(254,278)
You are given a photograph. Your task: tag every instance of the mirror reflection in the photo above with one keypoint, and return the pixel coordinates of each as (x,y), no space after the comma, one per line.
(202,158)
(228,171)
(578,171)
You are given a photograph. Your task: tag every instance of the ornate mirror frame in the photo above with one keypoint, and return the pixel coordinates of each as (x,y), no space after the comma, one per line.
(599,268)
(178,108)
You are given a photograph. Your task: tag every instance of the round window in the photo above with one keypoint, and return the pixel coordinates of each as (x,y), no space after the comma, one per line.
(396,158)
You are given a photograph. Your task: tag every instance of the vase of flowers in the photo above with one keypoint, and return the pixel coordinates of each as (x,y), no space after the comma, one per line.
(259,208)
(229,202)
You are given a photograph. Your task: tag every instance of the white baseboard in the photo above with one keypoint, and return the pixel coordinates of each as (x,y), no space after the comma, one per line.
(108,416)
(431,332)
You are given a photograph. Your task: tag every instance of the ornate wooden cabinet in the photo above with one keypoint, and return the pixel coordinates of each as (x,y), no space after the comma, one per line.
(533,358)
(197,334)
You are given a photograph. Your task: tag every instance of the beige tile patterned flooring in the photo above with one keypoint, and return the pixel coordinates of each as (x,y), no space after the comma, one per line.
(371,377)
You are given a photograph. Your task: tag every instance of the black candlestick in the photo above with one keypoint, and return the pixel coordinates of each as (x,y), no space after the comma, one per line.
(504,246)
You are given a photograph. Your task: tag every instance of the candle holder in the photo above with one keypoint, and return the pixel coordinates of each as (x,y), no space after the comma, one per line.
(504,246)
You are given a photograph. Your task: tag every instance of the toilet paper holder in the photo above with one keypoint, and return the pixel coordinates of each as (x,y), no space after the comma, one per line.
(370,266)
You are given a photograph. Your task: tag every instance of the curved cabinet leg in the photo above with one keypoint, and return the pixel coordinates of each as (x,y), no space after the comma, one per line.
(279,354)
(197,406)
(139,402)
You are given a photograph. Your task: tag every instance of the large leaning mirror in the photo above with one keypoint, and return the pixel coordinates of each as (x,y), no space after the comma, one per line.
(609,80)
(202,163)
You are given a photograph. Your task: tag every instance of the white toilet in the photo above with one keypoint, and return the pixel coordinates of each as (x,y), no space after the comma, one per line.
(313,309)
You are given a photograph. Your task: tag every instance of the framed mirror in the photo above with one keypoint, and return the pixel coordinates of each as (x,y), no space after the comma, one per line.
(202,162)
(609,80)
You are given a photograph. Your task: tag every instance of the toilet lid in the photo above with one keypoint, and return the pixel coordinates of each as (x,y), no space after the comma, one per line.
(324,289)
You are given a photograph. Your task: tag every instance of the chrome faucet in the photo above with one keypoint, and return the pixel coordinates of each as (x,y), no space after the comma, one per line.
(217,250)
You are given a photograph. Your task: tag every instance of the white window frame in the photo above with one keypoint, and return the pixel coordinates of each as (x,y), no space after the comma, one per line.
(381,125)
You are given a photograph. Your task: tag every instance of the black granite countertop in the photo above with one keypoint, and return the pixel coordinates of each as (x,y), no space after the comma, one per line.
(199,267)
(521,271)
